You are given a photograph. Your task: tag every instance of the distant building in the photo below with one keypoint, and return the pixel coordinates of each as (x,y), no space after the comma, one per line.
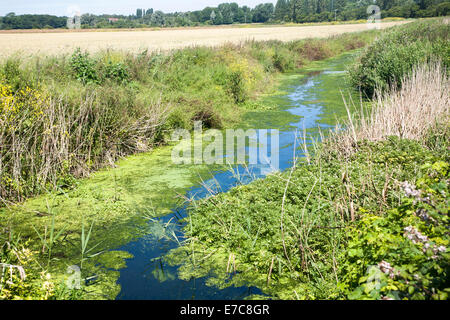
(113,19)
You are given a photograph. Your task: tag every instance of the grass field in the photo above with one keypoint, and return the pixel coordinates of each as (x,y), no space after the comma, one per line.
(154,40)
(363,216)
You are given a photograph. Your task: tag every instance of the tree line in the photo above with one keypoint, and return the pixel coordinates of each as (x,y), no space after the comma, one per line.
(296,11)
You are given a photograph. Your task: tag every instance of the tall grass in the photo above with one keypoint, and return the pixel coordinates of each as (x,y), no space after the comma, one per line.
(312,232)
(66,138)
(62,117)
(422,104)
(392,56)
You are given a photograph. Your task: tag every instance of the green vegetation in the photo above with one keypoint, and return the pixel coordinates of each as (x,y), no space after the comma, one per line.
(285,11)
(294,238)
(32,21)
(413,237)
(86,111)
(365,217)
(396,53)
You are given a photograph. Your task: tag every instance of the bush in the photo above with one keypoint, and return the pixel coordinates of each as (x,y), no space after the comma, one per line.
(117,72)
(83,67)
(397,52)
(404,254)
(21,276)
(14,76)
(236,86)
(314,50)
(283,60)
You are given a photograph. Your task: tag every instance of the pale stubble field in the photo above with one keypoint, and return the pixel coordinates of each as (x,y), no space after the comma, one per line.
(166,39)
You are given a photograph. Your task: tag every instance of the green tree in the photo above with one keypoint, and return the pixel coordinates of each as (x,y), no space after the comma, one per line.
(282,12)
(263,12)
(158,18)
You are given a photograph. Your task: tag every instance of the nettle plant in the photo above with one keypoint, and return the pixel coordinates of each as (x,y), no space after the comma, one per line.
(403,254)
(91,71)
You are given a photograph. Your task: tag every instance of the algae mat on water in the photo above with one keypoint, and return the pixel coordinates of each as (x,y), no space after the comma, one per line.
(234,236)
(116,202)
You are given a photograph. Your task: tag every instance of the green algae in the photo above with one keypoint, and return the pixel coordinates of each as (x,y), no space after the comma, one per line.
(273,113)
(222,268)
(118,201)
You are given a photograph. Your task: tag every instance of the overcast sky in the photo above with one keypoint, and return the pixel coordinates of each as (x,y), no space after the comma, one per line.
(126,7)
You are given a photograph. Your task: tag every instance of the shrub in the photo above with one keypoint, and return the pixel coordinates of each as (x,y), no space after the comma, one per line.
(83,67)
(314,50)
(14,75)
(283,60)
(21,276)
(117,72)
(236,86)
(397,52)
(404,254)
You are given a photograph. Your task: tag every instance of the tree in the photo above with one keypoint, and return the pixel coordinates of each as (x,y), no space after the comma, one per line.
(263,12)
(158,18)
(248,17)
(443,9)
(218,18)
(282,10)
(139,13)
(227,15)
(294,8)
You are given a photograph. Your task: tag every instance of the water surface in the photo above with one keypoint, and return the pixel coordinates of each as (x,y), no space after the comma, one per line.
(309,102)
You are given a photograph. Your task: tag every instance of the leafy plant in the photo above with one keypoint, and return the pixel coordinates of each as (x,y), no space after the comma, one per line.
(83,67)
(395,54)
(117,72)
(48,241)
(403,254)
(236,86)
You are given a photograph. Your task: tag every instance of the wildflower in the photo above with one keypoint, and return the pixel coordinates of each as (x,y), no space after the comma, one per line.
(410,190)
(386,268)
(423,214)
(416,237)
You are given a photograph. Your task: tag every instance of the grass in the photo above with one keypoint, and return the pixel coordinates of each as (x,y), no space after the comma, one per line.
(420,106)
(314,232)
(86,112)
(390,58)
(164,40)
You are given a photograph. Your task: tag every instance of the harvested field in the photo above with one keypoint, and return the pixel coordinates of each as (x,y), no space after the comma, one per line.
(166,39)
